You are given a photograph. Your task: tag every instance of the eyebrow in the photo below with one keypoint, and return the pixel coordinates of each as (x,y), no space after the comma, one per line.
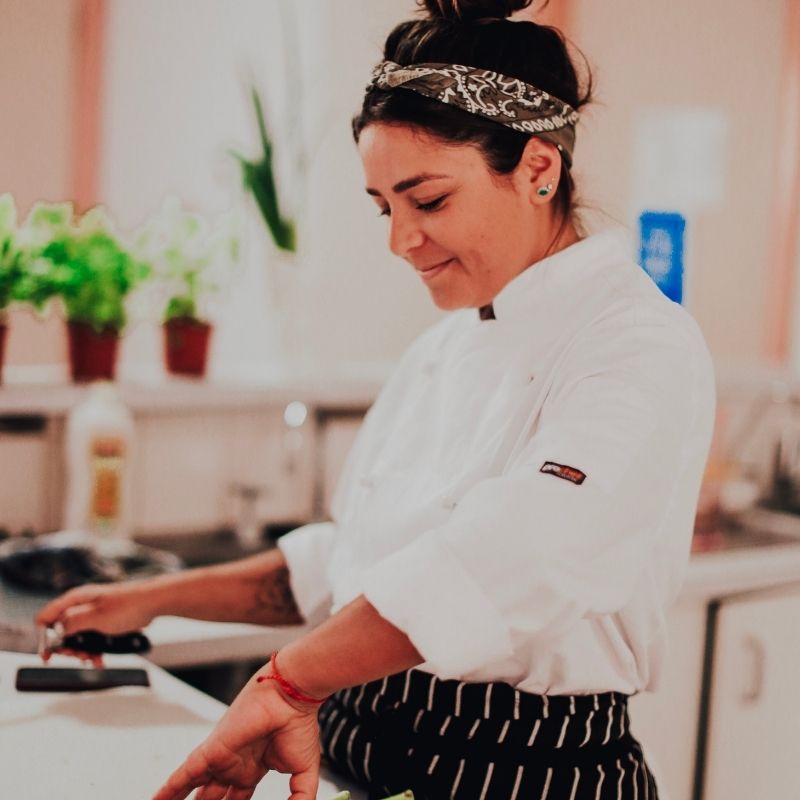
(409,183)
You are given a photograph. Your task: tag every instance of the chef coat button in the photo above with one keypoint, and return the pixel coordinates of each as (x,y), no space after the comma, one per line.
(429,368)
(367,481)
(448,502)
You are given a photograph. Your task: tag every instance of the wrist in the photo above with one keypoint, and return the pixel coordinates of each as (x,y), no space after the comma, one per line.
(304,667)
(294,694)
(156,596)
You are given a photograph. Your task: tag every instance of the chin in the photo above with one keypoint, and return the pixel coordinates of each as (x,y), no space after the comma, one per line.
(449,303)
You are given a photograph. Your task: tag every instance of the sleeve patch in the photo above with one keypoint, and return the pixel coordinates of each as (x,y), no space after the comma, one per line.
(563,471)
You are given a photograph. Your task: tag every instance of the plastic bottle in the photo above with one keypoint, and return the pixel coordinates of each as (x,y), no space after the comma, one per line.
(99,450)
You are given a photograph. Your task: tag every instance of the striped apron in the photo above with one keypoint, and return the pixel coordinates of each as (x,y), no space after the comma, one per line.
(449,740)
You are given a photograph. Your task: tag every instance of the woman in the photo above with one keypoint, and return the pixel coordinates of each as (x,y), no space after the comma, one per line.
(517,512)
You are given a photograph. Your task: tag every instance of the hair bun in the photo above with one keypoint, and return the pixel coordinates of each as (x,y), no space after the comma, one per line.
(471,10)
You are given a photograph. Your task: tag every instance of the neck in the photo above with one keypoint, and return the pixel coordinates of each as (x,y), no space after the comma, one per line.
(564,234)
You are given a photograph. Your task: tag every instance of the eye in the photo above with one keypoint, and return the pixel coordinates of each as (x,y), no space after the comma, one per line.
(385,212)
(432,205)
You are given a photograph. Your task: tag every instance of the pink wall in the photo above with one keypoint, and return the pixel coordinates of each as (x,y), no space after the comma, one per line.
(37,78)
(52,62)
(785,199)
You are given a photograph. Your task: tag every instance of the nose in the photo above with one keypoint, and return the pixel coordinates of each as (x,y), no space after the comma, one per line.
(405,234)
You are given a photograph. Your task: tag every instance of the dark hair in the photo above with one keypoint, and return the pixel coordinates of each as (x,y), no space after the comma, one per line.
(477,33)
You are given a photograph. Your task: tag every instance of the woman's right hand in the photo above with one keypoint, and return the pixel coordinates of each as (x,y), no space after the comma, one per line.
(109,608)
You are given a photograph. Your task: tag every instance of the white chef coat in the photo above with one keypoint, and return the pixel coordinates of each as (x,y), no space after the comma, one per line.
(497,567)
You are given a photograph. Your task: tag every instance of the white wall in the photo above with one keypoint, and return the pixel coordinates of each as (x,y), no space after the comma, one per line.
(176,99)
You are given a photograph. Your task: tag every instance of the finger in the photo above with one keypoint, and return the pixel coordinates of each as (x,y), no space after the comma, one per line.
(190,775)
(80,618)
(65,651)
(240,794)
(212,791)
(55,608)
(178,786)
(304,785)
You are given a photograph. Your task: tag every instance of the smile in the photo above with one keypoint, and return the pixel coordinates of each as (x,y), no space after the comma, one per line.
(431,272)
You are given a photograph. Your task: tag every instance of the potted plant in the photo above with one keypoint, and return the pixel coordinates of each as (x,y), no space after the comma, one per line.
(190,256)
(11,260)
(85,264)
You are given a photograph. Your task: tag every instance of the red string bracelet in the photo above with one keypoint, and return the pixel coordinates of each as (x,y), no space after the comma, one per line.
(287,687)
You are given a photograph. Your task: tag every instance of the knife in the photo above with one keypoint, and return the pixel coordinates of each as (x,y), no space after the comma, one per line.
(41,640)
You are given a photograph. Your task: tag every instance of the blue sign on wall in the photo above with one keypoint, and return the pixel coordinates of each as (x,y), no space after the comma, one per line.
(661,241)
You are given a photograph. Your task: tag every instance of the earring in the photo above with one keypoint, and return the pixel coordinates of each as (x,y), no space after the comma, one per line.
(543,191)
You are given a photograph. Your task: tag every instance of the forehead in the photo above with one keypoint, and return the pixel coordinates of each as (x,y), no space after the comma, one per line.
(392,153)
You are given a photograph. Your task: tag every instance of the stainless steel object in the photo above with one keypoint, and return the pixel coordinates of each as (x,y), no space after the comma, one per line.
(47,639)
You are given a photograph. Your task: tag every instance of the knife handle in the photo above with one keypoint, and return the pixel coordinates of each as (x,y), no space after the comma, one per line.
(96,643)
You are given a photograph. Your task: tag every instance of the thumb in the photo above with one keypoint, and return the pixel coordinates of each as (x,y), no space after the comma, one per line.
(304,785)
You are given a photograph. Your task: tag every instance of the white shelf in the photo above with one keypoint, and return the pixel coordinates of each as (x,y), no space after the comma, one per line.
(171,395)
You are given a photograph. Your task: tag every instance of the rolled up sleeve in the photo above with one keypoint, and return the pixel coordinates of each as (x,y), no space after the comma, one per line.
(307,551)
(527,554)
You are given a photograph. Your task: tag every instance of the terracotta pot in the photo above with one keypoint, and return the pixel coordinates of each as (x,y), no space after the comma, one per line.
(92,353)
(186,346)
(3,329)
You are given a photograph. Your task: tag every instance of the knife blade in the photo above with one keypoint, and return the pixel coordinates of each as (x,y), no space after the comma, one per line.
(30,639)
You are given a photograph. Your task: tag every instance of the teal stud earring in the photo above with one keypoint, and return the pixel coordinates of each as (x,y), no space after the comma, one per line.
(543,191)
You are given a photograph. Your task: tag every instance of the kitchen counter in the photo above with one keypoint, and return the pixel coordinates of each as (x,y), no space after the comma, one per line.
(739,563)
(118,743)
(716,574)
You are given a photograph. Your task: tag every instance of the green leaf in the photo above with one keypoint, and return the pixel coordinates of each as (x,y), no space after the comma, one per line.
(258,178)
(89,269)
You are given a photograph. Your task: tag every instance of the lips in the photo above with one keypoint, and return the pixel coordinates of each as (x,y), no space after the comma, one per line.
(426,273)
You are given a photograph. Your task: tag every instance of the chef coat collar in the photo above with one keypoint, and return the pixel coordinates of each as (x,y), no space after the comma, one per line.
(547,282)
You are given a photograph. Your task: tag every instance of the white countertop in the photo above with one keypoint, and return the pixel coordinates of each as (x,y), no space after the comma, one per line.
(117,744)
(180,642)
(713,575)
(354,390)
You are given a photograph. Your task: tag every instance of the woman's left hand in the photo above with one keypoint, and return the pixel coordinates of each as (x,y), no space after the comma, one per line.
(262,730)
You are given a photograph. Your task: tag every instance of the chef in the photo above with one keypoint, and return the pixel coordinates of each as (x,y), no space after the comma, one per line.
(516,515)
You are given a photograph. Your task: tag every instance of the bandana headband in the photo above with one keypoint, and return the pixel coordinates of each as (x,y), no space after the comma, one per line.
(507,101)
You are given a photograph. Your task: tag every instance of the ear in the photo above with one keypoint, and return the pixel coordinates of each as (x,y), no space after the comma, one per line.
(539,171)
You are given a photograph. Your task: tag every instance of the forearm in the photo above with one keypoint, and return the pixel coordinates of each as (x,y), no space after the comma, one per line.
(354,646)
(254,589)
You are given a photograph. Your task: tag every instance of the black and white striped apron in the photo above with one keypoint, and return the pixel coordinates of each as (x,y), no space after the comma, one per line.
(449,740)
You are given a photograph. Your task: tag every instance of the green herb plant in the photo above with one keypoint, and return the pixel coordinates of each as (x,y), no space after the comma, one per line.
(191,256)
(11,254)
(83,262)
(258,177)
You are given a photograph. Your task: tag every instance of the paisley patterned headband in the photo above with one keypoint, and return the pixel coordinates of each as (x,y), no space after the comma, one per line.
(507,101)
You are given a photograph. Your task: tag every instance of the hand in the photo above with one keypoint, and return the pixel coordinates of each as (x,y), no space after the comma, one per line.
(110,608)
(262,730)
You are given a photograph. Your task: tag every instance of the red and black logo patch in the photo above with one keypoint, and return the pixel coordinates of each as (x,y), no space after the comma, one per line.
(563,471)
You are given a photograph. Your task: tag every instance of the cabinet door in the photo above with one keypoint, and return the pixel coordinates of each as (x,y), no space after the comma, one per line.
(665,720)
(753,746)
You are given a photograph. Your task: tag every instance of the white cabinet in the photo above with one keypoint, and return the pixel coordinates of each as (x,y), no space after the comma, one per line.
(753,741)
(665,721)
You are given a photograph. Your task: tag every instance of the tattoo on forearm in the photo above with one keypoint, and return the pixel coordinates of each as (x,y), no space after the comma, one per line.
(274,598)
